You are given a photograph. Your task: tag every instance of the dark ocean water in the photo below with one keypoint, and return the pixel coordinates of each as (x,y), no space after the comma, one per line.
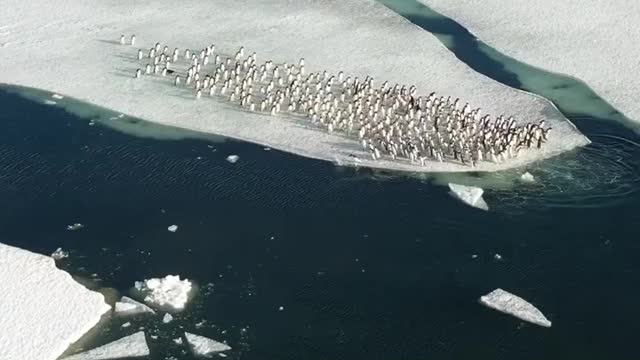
(366,265)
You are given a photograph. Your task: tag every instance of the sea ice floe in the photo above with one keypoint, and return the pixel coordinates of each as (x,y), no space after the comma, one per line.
(173,228)
(59,254)
(470,195)
(167,318)
(57,96)
(232,158)
(73,227)
(508,303)
(43,309)
(168,293)
(127,306)
(203,346)
(527,177)
(127,347)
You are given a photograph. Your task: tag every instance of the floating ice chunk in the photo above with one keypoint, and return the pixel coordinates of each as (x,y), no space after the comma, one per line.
(232,158)
(74,227)
(127,347)
(50,102)
(169,293)
(167,318)
(127,324)
(203,346)
(470,195)
(173,228)
(178,341)
(513,305)
(127,306)
(59,254)
(43,309)
(57,96)
(527,177)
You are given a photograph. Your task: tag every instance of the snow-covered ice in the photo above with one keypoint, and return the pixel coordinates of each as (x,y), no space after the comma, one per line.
(43,310)
(352,36)
(592,40)
(127,306)
(127,347)
(59,254)
(167,318)
(168,293)
(173,228)
(57,96)
(470,195)
(232,158)
(508,303)
(203,346)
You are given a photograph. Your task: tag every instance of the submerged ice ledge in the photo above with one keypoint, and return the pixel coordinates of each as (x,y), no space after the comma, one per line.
(43,309)
(103,73)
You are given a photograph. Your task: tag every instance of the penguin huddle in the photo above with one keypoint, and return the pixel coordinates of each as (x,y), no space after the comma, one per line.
(391,122)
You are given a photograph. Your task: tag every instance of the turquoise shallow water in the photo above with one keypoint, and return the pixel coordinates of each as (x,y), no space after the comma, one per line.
(366,265)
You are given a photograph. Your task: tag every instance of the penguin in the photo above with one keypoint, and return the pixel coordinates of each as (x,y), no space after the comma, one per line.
(138,73)
(122,40)
(132,42)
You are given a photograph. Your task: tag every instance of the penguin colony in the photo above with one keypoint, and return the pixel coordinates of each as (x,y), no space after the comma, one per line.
(390,121)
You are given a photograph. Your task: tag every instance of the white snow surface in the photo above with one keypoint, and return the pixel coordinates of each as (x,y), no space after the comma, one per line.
(469,195)
(129,346)
(508,303)
(168,293)
(127,306)
(43,310)
(71,47)
(592,40)
(203,346)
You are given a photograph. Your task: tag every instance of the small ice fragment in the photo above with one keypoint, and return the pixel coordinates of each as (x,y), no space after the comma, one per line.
(527,177)
(232,158)
(127,324)
(202,346)
(127,306)
(474,256)
(178,341)
(173,228)
(167,318)
(50,102)
(470,195)
(267,149)
(281,308)
(59,254)
(222,355)
(154,337)
(498,257)
(129,346)
(201,324)
(57,96)
(168,293)
(510,304)
(74,227)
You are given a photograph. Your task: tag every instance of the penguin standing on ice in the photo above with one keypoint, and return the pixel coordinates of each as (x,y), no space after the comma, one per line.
(122,41)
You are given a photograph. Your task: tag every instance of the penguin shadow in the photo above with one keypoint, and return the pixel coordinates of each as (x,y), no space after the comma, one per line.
(113,42)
